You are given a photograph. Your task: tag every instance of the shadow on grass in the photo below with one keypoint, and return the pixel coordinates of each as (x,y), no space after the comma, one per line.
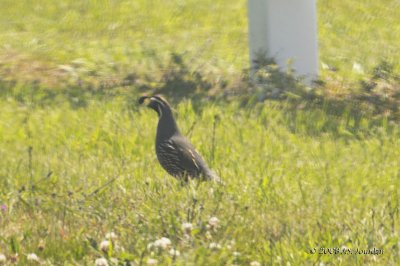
(373,103)
(174,78)
(311,110)
(34,94)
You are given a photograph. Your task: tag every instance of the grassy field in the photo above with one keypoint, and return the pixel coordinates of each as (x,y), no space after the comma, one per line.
(104,40)
(293,183)
(109,40)
(77,158)
(354,32)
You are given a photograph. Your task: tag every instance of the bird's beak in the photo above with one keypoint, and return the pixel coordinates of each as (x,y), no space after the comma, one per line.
(144,100)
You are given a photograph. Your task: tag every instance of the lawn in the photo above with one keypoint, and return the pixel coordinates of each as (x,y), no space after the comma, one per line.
(79,178)
(112,39)
(70,176)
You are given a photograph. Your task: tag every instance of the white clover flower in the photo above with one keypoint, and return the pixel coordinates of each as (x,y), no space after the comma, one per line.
(101,262)
(255,263)
(150,246)
(187,227)
(358,68)
(236,254)
(213,222)
(174,252)
(152,262)
(163,243)
(32,257)
(208,235)
(111,236)
(105,246)
(214,246)
(2,258)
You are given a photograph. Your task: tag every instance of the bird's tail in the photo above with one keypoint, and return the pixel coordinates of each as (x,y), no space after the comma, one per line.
(212,176)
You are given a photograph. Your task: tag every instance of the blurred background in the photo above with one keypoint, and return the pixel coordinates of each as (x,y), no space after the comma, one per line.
(100,43)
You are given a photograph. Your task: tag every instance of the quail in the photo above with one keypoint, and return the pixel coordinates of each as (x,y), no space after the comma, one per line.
(174,151)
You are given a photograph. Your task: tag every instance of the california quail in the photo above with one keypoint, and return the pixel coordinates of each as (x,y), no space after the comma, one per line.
(174,152)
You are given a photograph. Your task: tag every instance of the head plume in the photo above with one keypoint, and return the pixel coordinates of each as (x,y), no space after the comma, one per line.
(156,102)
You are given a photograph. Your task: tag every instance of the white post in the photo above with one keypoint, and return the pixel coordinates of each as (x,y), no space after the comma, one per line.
(285,30)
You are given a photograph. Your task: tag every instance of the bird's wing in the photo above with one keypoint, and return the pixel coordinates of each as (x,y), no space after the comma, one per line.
(188,156)
(191,160)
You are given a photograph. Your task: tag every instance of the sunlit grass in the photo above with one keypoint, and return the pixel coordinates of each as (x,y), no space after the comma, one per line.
(79,178)
(358,32)
(70,176)
(115,38)
(124,36)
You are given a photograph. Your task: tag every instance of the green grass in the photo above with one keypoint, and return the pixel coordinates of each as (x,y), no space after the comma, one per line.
(115,38)
(363,32)
(111,39)
(292,183)
(78,163)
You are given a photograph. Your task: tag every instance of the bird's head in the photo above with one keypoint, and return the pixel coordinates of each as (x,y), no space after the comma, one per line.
(157,103)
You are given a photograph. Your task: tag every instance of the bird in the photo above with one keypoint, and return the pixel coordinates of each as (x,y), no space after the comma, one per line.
(174,152)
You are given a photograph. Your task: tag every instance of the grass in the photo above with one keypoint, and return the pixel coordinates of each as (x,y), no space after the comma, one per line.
(77,153)
(354,32)
(292,183)
(109,40)
(112,39)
